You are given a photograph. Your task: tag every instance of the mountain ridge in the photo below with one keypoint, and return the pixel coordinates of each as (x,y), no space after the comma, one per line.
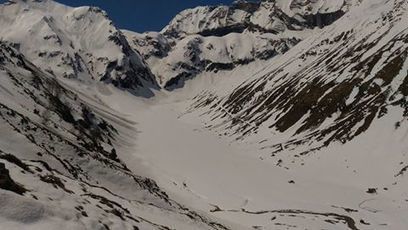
(205,38)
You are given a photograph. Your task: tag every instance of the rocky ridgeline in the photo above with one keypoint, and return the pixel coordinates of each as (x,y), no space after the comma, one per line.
(216,38)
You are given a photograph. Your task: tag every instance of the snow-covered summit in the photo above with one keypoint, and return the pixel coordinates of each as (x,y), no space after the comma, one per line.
(80,43)
(217,38)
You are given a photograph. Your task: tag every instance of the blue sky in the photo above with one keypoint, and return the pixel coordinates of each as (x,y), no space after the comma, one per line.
(142,15)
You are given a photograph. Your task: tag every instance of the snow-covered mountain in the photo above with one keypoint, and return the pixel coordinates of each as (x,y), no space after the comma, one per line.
(80,43)
(220,38)
(276,114)
(62,148)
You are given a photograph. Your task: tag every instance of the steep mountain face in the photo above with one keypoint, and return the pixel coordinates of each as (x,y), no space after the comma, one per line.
(59,165)
(220,38)
(332,87)
(76,43)
(265,16)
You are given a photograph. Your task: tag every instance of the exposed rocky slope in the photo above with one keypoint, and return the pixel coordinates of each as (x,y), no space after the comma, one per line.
(332,87)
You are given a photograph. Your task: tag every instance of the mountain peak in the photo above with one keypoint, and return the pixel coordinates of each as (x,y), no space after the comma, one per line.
(80,43)
(268,28)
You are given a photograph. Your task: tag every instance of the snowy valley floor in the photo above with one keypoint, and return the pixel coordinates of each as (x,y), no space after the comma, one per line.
(231,181)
